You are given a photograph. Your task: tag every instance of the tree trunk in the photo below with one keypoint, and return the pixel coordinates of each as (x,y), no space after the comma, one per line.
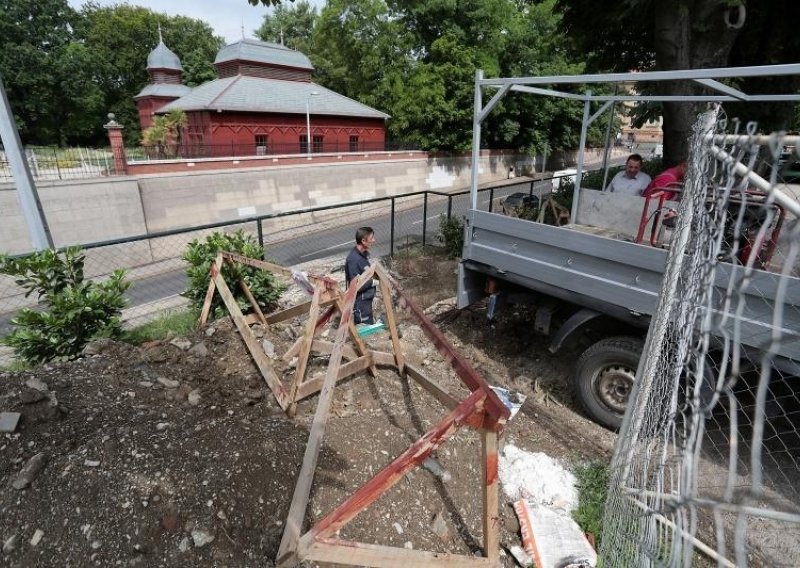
(689,34)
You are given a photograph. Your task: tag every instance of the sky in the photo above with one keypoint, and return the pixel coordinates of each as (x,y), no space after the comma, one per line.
(225,16)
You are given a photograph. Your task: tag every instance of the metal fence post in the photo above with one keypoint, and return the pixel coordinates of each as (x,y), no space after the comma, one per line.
(260,229)
(424,216)
(449,206)
(55,159)
(391,232)
(530,191)
(491,198)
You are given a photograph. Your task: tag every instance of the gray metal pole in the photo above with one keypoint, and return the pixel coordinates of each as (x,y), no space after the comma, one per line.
(608,136)
(26,190)
(476,141)
(584,127)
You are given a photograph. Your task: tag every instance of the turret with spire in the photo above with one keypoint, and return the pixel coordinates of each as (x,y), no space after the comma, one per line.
(165,85)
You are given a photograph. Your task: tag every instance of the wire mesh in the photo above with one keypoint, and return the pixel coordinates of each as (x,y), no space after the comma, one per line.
(706,465)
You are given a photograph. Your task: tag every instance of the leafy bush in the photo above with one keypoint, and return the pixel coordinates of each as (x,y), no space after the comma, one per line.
(451,234)
(199,254)
(74,311)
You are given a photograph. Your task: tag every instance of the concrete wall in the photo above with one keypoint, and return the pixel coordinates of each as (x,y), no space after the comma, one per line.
(84,211)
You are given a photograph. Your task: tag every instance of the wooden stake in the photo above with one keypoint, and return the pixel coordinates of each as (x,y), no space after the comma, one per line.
(249,295)
(216,266)
(305,351)
(491,524)
(287,552)
(388,309)
(263,364)
(360,345)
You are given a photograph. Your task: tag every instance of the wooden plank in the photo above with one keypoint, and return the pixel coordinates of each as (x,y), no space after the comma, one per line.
(305,352)
(289,313)
(326,348)
(250,319)
(383,358)
(212,273)
(249,295)
(448,400)
(497,411)
(416,453)
(295,348)
(360,346)
(388,309)
(491,520)
(260,358)
(287,552)
(347,370)
(327,282)
(362,554)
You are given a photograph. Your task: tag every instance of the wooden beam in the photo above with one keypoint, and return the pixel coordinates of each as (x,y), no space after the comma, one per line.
(327,282)
(497,411)
(326,348)
(360,346)
(294,311)
(416,453)
(249,295)
(448,400)
(362,554)
(388,309)
(260,358)
(305,351)
(287,552)
(491,521)
(349,369)
(213,271)
(295,348)
(383,358)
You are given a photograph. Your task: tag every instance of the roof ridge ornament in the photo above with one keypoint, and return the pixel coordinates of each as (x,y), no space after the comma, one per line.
(160,38)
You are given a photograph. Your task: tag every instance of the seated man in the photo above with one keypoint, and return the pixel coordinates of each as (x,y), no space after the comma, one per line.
(631,180)
(667,180)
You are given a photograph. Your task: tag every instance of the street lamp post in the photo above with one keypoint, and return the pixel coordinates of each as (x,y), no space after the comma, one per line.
(308,123)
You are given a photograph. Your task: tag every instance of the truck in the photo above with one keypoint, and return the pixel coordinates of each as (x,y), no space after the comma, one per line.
(598,277)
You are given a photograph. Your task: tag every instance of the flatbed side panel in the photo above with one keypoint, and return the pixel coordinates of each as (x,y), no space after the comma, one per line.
(625,275)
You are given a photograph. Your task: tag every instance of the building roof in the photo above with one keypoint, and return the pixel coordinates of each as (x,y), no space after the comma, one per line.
(164,90)
(263,52)
(254,94)
(163,57)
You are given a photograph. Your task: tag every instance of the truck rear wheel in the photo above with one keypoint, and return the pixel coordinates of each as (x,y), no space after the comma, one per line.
(604,377)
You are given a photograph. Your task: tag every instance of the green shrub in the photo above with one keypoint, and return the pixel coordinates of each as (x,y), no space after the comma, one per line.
(451,234)
(199,254)
(74,311)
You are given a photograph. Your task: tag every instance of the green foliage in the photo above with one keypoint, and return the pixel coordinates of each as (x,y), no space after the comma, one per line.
(451,235)
(164,136)
(592,491)
(74,310)
(200,254)
(168,325)
(291,25)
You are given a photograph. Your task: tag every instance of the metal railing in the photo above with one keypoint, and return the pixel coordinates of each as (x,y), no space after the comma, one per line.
(52,163)
(255,149)
(155,267)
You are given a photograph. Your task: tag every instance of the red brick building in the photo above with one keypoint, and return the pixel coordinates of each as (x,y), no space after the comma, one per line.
(263,102)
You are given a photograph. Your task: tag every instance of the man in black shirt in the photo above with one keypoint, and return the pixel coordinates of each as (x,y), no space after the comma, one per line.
(356,263)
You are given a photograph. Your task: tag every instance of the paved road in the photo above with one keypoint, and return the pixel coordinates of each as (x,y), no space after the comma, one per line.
(331,242)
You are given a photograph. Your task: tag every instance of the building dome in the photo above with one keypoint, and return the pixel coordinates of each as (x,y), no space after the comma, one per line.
(163,58)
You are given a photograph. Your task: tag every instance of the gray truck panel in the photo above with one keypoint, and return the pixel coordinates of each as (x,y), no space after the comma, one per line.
(625,276)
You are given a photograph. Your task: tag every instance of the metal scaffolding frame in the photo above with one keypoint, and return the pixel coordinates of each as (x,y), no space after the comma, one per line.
(708,78)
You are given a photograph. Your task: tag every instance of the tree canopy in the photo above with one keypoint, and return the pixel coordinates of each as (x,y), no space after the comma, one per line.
(64,70)
(640,35)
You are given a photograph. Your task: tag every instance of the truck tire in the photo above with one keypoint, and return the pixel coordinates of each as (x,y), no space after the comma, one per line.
(604,376)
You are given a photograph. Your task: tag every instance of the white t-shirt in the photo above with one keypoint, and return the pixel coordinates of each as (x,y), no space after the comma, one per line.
(621,183)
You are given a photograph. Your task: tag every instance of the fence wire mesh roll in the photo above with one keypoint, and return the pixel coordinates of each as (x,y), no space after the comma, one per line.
(707,465)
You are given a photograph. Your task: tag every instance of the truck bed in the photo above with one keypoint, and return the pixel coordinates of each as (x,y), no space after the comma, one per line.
(612,276)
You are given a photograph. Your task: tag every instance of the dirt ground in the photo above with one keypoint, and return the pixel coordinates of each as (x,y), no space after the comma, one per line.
(177,455)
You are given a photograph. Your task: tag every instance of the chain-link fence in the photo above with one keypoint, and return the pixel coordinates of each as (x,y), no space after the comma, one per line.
(707,465)
(158,274)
